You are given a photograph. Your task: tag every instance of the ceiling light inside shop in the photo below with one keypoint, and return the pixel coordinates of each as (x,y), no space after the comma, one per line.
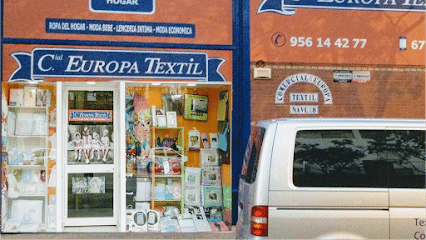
(91,83)
(191,84)
(156,84)
(32,82)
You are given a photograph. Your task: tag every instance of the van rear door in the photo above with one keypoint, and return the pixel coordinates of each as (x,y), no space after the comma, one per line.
(248,192)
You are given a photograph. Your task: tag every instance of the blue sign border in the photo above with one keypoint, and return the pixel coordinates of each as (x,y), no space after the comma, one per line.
(288,7)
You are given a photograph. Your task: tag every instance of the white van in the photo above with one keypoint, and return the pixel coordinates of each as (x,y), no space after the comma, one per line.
(319,178)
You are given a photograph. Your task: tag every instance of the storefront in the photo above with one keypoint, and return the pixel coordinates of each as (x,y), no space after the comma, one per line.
(115,132)
(80,150)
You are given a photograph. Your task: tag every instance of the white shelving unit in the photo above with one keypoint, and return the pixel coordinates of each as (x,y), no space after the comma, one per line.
(27,149)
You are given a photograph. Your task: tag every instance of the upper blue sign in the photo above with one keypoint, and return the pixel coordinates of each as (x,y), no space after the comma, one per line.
(288,7)
(91,63)
(123,6)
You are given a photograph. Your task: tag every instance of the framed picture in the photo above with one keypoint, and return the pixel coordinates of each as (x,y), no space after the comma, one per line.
(192,196)
(196,107)
(205,141)
(161,121)
(194,142)
(44,98)
(211,176)
(209,157)
(212,196)
(214,140)
(192,177)
(171,119)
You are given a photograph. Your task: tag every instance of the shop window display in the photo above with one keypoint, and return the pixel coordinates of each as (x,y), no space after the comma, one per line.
(172,129)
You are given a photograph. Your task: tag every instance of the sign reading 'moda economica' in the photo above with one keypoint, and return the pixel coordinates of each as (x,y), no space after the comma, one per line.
(59,62)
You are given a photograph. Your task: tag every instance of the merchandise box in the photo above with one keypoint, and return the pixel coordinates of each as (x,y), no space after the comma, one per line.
(16,98)
(214,214)
(30,96)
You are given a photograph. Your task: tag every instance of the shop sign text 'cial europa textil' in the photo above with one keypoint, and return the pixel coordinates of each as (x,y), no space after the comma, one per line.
(88,63)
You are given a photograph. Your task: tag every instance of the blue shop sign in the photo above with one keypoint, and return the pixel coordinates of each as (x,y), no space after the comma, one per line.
(123,6)
(93,63)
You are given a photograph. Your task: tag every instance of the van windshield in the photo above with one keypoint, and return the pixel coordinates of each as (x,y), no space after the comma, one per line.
(360,158)
(251,157)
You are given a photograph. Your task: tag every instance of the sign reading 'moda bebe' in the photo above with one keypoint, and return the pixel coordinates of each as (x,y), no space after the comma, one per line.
(57,62)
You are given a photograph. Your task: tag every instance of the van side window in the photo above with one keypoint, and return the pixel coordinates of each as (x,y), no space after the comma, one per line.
(251,158)
(360,158)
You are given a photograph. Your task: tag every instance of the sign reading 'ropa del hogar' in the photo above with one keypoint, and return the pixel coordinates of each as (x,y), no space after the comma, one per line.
(88,63)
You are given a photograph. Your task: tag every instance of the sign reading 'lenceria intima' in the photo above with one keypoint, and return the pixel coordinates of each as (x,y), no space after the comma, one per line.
(57,62)
(288,7)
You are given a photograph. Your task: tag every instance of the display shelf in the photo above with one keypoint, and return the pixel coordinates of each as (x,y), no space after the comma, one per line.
(27,136)
(168,201)
(168,176)
(164,152)
(34,143)
(25,107)
(32,195)
(30,167)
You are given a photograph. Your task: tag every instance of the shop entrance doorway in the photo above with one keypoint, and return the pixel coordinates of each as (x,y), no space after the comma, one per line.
(91,155)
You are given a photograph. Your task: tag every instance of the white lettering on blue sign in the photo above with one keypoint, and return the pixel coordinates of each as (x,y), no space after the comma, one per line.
(40,62)
(78,64)
(156,66)
(123,6)
(123,2)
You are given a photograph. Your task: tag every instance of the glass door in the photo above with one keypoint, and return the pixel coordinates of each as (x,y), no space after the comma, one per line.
(91,160)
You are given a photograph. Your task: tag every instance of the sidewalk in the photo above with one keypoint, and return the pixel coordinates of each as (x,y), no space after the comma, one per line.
(127,235)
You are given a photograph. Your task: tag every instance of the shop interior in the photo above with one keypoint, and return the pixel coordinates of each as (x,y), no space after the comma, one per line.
(167,143)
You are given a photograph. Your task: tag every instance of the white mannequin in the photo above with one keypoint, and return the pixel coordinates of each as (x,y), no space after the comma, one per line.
(87,144)
(105,142)
(96,146)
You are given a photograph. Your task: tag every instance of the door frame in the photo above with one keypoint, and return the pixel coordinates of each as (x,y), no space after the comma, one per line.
(67,169)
